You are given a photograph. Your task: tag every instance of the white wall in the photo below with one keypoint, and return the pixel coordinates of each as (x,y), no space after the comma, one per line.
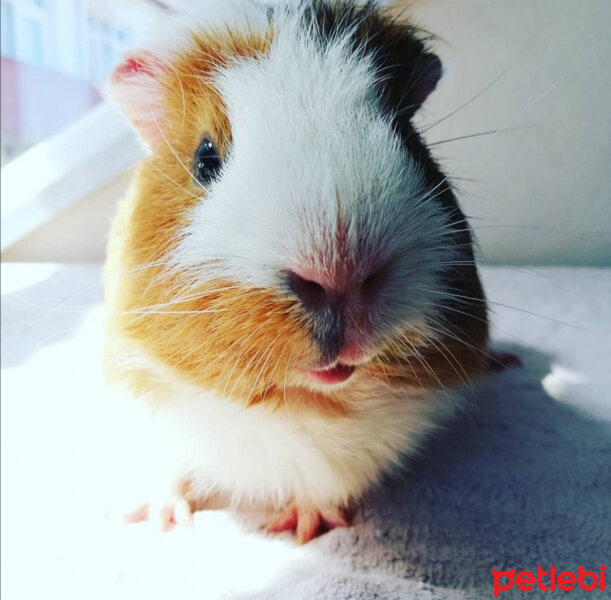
(540,194)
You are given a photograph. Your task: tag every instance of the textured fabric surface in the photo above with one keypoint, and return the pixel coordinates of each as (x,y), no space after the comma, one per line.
(522,477)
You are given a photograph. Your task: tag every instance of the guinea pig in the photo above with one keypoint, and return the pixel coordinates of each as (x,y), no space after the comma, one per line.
(291,290)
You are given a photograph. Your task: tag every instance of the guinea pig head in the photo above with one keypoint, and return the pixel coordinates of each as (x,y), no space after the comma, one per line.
(288,226)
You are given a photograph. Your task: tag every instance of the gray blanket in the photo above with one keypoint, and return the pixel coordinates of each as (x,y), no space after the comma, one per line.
(521,478)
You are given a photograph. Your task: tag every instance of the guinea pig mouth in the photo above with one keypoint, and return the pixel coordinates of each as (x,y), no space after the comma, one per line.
(338,373)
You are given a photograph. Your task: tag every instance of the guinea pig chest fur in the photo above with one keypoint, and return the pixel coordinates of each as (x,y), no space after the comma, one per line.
(292,300)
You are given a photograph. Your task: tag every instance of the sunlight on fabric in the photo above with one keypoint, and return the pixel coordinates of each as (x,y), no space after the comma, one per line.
(561,381)
(59,444)
(20,279)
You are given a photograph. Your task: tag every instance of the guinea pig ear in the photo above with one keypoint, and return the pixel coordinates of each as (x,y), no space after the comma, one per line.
(421,80)
(135,87)
(424,78)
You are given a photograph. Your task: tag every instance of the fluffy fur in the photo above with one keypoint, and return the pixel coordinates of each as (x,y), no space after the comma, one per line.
(212,448)
(322,171)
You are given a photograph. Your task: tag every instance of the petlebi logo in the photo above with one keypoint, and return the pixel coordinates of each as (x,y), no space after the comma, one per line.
(549,581)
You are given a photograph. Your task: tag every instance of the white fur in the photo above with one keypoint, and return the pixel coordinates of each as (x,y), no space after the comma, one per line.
(262,457)
(311,146)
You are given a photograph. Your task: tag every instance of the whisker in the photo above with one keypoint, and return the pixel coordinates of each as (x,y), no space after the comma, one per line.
(174,182)
(173,151)
(286,369)
(485,89)
(479,134)
(522,310)
(445,351)
(243,345)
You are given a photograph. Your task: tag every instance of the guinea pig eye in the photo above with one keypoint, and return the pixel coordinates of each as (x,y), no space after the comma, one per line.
(207,163)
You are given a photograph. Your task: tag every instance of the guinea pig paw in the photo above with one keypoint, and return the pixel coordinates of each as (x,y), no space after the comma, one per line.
(307,522)
(163,515)
(499,361)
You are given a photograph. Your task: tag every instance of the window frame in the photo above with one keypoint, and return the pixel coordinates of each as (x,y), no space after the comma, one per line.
(36,13)
(66,171)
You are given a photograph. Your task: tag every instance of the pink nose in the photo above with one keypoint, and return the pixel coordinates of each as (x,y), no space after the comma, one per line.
(317,291)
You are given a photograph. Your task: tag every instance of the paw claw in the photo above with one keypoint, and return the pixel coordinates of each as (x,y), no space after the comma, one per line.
(307,522)
(307,526)
(164,515)
(139,514)
(183,514)
(285,521)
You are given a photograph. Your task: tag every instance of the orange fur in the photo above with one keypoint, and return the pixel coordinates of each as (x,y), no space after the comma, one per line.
(231,338)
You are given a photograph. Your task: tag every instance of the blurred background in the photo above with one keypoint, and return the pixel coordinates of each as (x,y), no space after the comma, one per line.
(521,121)
(55,55)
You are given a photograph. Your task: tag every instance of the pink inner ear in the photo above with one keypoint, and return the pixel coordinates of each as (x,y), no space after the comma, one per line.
(133,65)
(136,88)
(143,63)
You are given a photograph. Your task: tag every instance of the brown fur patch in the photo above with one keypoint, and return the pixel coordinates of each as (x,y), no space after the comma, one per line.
(223,336)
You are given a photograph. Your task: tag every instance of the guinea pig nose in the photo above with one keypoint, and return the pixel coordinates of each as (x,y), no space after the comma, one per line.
(312,294)
(316,292)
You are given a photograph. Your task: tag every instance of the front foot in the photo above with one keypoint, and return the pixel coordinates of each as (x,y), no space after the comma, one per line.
(307,522)
(163,514)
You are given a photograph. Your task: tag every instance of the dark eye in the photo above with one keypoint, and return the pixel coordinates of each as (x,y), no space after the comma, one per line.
(207,163)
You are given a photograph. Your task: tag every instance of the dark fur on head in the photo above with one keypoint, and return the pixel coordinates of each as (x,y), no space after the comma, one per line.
(408,73)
